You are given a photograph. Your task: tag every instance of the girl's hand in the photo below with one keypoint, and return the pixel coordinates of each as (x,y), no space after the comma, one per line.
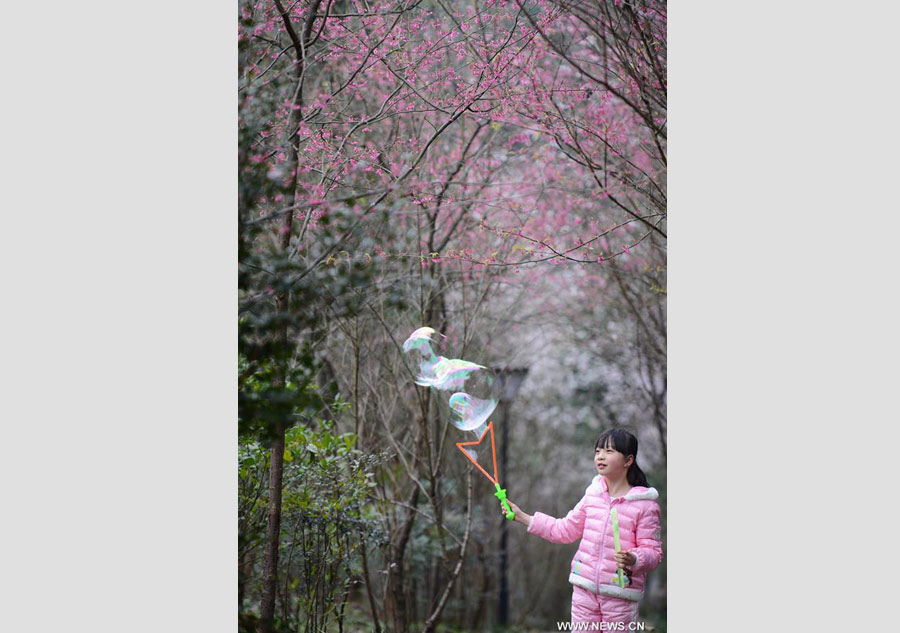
(625,559)
(521,516)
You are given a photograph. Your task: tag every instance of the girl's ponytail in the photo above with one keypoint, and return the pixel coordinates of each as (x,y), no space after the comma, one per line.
(635,475)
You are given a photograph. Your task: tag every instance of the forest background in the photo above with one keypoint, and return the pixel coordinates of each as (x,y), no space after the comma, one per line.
(495,170)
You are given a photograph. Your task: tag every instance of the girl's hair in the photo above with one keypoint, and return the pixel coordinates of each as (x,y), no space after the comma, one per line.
(627,444)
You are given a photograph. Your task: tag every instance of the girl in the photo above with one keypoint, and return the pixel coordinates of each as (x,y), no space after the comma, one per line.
(620,484)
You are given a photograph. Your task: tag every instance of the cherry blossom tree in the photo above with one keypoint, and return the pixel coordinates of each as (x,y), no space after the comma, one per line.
(415,162)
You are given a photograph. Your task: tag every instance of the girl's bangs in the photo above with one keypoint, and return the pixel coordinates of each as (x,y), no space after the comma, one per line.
(617,439)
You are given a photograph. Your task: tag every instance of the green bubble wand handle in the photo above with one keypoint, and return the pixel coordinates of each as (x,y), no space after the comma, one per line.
(615,522)
(501,494)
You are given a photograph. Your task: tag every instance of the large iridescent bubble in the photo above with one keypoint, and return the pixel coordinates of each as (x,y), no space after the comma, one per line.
(421,350)
(467,391)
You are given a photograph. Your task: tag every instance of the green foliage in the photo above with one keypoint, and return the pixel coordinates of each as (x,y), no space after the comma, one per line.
(332,477)
(286,304)
(327,488)
(326,514)
(253,466)
(263,402)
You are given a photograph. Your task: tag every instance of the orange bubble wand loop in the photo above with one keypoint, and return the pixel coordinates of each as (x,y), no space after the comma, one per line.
(500,492)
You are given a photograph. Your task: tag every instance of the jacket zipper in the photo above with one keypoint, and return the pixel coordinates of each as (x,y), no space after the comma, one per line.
(602,541)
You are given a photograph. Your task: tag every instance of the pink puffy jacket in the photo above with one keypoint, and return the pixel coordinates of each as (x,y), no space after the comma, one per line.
(594,565)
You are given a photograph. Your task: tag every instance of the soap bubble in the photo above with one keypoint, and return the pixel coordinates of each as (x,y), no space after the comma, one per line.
(421,350)
(451,374)
(467,393)
(471,408)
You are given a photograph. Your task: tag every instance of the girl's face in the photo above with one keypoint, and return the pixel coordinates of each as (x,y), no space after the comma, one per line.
(610,462)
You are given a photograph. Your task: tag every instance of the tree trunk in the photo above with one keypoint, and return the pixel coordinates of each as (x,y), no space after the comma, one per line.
(273,533)
(396,575)
(432,621)
(372,604)
(273,527)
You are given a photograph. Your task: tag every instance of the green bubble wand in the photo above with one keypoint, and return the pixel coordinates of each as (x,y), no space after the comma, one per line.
(620,579)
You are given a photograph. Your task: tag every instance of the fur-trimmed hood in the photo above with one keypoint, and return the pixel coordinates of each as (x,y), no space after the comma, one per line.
(598,486)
